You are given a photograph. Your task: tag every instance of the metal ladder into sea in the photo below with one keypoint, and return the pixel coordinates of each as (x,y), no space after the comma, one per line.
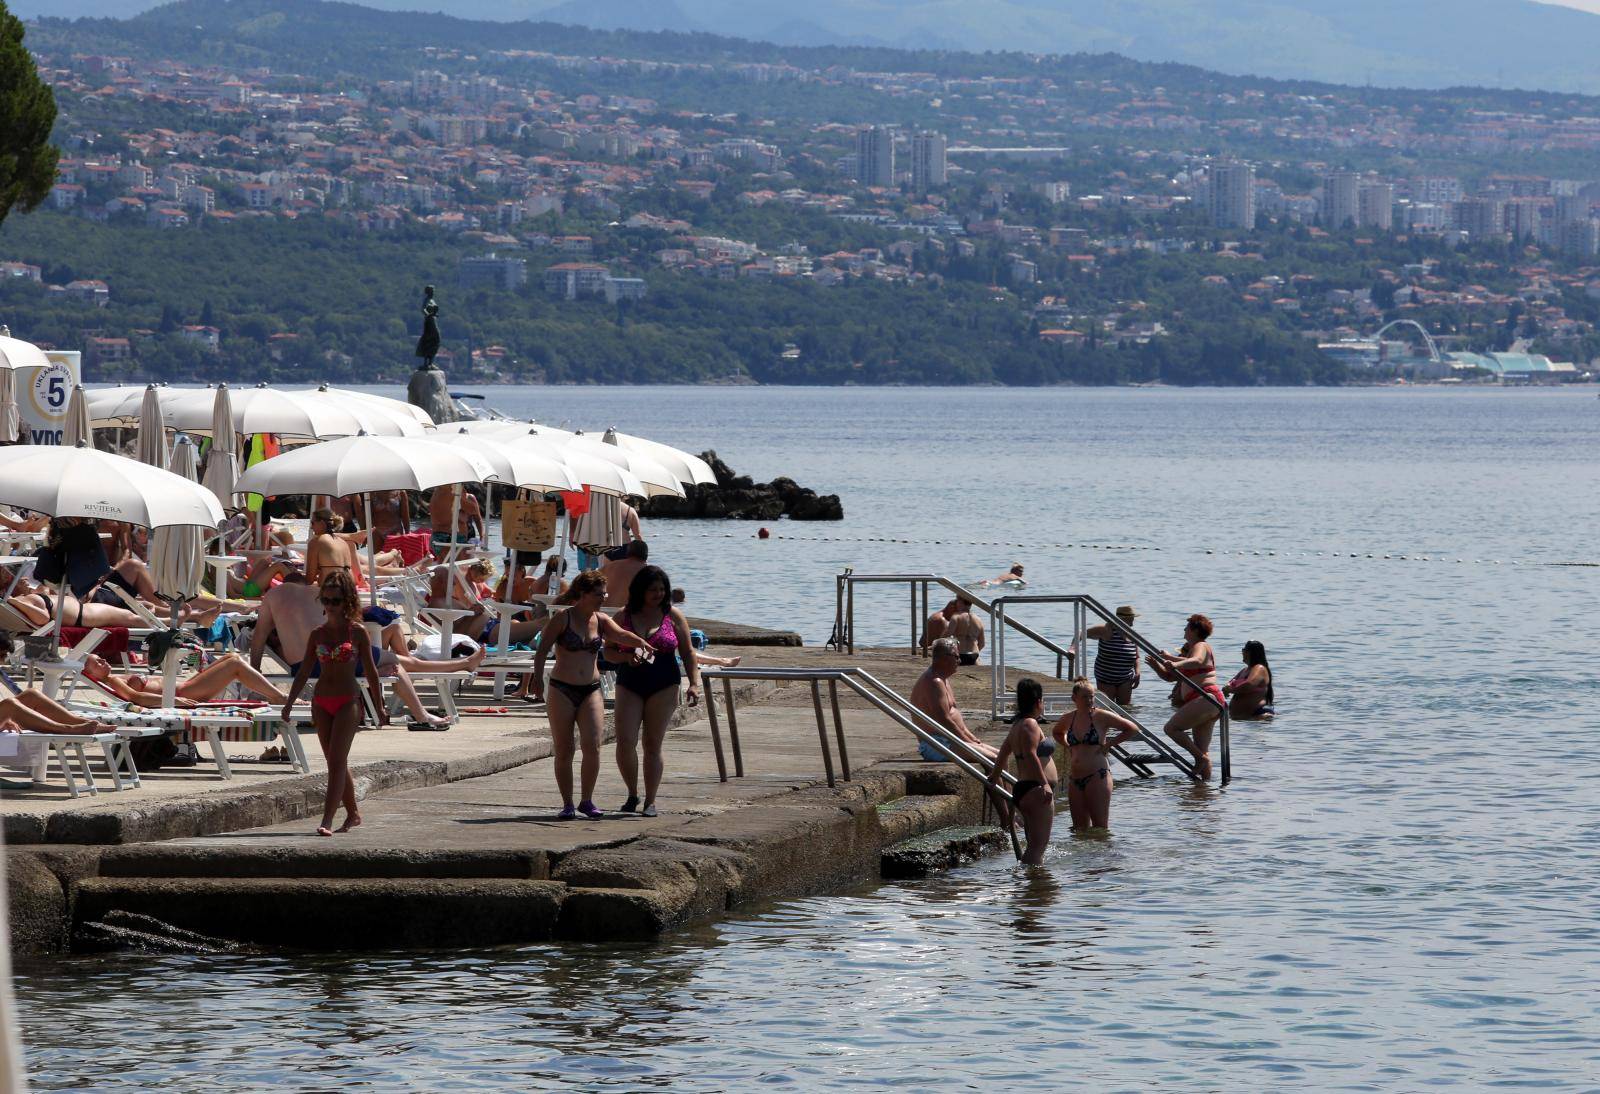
(1068,658)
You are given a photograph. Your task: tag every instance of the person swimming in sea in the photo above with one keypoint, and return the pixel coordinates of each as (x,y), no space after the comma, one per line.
(1012,577)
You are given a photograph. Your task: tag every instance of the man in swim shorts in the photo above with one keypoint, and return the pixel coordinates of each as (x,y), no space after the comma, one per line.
(933,696)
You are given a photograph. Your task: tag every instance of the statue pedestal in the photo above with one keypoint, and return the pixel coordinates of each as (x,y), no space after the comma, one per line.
(429,391)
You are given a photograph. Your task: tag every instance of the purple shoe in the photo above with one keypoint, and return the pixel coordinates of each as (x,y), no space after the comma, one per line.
(569,813)
(588,810)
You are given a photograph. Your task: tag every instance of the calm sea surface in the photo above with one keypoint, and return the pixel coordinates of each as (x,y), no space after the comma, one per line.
(1401,889)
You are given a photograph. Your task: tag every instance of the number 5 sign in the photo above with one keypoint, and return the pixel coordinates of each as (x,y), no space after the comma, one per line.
(44,395)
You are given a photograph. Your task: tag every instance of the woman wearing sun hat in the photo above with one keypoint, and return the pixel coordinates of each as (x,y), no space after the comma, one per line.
(1116,661)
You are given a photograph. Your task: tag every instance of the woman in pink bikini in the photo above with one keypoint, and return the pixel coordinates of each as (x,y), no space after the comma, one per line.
(647,693)
(1194,669)
(339,652)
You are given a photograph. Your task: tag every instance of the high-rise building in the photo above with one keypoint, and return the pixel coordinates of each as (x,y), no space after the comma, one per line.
(1375,206)
(1437,189)
(927,162)
(1232,201)
(1340,199)
(875,155)
(1580,238)
(1524,217)
(1480,218)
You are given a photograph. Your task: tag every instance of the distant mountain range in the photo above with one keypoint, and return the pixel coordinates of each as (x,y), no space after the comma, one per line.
(1409,43)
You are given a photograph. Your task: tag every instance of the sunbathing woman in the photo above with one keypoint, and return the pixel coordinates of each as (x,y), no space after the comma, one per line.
(1084,731)
(31,712)
(576,636)
(145,689)
(341,649)
(1194,670)
(37,605)
(1250,692)
(1036,769)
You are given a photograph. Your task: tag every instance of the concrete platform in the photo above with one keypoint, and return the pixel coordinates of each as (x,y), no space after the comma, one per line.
(461,845)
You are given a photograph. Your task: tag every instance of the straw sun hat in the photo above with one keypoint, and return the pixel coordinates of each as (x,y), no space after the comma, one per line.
(1126,612)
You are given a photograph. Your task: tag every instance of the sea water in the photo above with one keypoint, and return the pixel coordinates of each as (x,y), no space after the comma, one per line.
(1397,891)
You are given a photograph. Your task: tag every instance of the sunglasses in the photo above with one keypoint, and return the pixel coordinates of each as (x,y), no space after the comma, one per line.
(331,599)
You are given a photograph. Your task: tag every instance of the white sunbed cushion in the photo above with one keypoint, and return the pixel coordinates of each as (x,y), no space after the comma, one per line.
(429,648)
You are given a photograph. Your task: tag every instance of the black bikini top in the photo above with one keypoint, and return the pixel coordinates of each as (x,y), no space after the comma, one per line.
(571,640)
(1090,738)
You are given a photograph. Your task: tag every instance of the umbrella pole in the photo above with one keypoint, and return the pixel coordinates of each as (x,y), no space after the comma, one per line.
(169,666)
(455,523)
(372,552)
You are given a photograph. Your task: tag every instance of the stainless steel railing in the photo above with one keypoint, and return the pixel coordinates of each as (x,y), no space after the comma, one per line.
(876,693)
(1083,605)
(845,611)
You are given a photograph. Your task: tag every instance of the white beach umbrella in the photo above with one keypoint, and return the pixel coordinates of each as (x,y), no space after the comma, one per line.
(363,464)
(15,353)
(656,480)
(177,556)
(380,417)
(118,406)
(261,409)
(397,407)
(691,470)
(152,442)
(601,475)
(524,467)
(83,482)
(222,464)
(77,428)
(10,415)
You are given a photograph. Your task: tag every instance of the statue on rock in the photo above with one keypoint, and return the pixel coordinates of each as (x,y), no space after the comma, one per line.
(428,389)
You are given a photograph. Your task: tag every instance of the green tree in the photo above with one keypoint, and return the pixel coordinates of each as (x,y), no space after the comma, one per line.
(27,114)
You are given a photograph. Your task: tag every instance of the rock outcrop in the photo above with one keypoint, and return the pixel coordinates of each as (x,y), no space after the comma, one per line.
(738,497)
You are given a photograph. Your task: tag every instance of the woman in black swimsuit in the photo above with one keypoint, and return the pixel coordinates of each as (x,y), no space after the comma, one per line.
(1036,769)
(576,636)
(1082,730)
(647,694)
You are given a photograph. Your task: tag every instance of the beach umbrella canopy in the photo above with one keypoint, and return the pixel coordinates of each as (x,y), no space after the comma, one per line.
(84,482)
(524,467)
(655,479)
(597,474)
(152,440)
(398,407)
(690,470)
(10,415)
(222,464)
(76,428)
(118,406)
(363,464)
(379,417)
(15,353)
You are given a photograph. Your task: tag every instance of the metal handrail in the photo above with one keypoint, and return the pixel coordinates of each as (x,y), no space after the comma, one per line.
(1083,603)
(887,701)
(845,611)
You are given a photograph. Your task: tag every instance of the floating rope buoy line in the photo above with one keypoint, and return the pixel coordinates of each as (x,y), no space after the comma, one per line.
(1373,556)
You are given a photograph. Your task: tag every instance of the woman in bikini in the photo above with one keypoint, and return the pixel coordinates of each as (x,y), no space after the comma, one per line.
(1194,670)
(1250,693)
(340,650)
(145,690)
(647,694)
(1036,769)
(577,635)
(1083,732)
(37,605)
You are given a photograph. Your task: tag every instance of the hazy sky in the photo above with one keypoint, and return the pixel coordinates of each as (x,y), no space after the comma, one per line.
(128,7)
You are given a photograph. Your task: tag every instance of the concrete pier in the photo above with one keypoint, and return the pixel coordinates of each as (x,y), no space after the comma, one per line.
(463,848)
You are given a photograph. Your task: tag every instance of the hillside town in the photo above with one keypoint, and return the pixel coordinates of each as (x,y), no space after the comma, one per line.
(598,195)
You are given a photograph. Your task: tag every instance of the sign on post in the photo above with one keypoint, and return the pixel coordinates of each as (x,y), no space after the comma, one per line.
(42,395)
(528,525)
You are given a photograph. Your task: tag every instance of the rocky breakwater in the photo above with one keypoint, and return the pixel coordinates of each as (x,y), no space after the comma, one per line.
(739,497)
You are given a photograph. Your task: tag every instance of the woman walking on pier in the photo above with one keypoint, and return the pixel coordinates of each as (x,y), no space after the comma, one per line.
(1036,769)
(577,635)
(1193,671)
(1084,730)
(340,651)
(647,694)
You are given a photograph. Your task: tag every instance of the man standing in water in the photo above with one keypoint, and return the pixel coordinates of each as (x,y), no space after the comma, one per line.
(933,696)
